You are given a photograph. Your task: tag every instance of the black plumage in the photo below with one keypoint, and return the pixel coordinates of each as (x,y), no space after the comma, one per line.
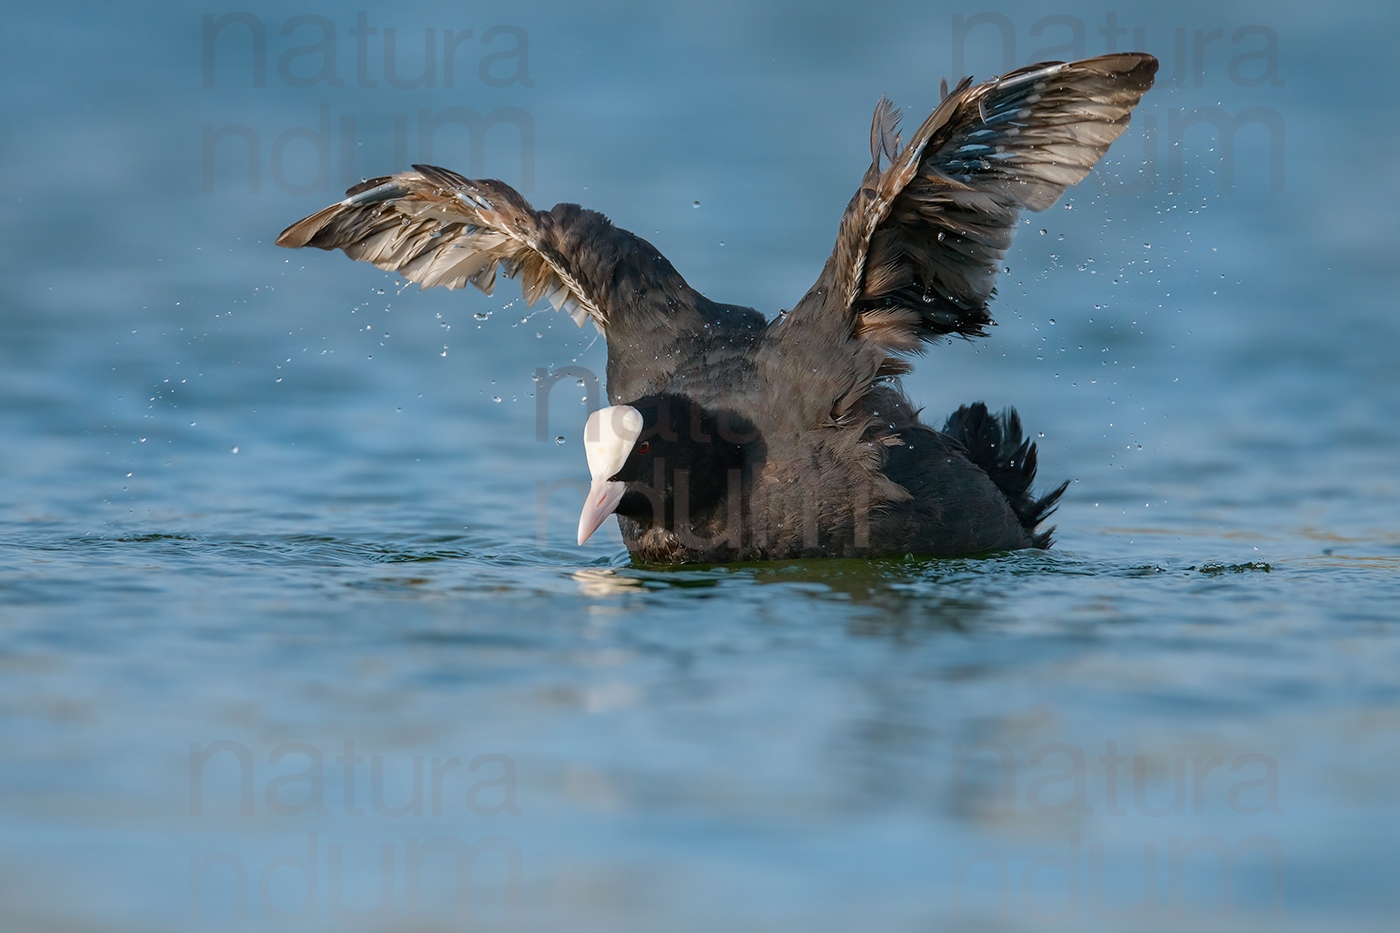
(834,460)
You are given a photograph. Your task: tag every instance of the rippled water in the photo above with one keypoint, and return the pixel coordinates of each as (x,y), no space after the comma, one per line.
(262,510)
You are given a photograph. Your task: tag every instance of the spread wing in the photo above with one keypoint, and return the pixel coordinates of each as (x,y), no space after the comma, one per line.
(435,227)
(922,241)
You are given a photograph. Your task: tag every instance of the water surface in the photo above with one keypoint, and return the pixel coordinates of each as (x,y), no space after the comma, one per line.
(273,509)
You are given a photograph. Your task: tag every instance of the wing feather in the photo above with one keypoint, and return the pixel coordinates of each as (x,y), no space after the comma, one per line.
(922,240)
(436,228)
(928,234)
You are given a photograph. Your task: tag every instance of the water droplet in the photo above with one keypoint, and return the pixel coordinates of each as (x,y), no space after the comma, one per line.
(235,449)
(482,315)
(695,204)
(559,441)
(1043,231)
(496,399)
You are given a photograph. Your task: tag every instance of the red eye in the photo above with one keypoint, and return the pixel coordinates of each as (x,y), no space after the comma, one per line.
(643,447)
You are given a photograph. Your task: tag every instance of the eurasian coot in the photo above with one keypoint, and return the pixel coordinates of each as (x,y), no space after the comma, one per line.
(731,437)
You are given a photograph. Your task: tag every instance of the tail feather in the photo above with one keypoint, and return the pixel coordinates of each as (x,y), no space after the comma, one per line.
(995,444)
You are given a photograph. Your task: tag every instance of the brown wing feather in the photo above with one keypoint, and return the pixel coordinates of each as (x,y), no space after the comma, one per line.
(927,235)
(984,156)
(920,243)
(435,227)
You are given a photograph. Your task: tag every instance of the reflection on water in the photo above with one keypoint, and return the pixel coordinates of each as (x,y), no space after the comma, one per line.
(601,581)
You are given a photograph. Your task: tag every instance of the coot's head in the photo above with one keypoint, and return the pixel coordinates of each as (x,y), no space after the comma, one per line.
(662,460)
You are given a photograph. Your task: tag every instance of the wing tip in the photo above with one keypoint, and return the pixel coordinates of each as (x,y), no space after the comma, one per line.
(303,232)
(884,125)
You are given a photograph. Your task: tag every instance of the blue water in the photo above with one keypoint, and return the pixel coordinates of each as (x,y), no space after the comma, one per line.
(256,505)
